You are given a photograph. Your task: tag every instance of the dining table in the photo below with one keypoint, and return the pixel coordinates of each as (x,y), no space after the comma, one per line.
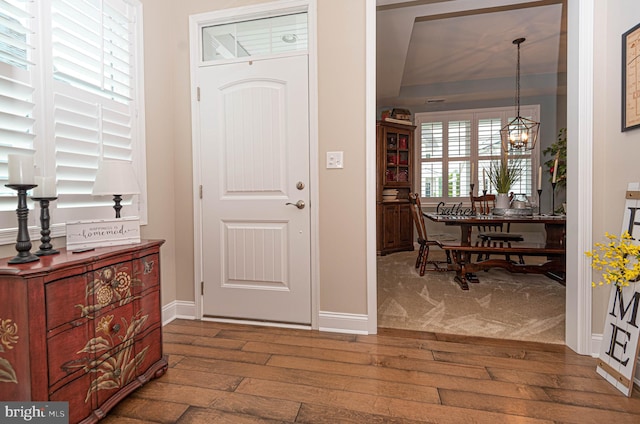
(554,225)
(552,249)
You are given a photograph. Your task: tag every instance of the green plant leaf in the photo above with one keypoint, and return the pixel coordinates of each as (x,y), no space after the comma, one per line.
(503,175)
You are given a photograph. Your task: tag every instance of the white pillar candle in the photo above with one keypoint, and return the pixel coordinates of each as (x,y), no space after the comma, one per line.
(473,177)
(46,187)
(484,179)
(21,169)
(555,170)
(540,178)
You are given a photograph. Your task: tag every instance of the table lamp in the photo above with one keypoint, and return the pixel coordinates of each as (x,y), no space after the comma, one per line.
(116,178)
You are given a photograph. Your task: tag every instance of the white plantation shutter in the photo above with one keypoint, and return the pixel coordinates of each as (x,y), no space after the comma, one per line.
(95,101)
(472,137)
(71,93)
(17,94)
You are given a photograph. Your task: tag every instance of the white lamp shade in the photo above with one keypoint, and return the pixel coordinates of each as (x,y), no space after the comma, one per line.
(115,177)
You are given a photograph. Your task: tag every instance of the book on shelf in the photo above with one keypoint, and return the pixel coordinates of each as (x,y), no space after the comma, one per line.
(398,121)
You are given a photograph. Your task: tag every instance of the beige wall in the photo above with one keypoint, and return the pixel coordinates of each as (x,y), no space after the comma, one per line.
(341,127)
(616,154)
(341,69)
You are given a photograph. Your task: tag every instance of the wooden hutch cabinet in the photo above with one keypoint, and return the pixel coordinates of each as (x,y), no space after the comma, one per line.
(83,328)
(395,172)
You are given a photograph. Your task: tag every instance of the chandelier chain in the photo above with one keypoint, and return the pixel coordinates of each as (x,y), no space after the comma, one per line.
(518,82)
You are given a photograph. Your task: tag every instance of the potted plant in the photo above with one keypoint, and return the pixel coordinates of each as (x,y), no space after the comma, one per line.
(502,175)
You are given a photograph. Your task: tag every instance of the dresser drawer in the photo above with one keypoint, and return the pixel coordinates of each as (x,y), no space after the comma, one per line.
(114,325)
(76,392)
(149,305)
(149,350)
(67,354)
(69,292)
(146,270)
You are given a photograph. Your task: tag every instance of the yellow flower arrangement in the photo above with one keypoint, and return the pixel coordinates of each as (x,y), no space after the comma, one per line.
(619,260)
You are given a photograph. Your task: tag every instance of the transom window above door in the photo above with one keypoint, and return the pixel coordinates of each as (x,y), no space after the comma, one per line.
(455,144)
(257,37)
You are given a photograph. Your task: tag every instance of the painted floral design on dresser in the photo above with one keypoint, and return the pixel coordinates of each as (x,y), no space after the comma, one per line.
(113,370)
(111,283)
(8,337)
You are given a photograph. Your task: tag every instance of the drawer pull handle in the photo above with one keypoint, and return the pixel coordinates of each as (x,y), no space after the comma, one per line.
(116,328)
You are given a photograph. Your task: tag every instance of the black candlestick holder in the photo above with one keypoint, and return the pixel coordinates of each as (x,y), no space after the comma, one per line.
(539,201)
(553,198)
(23,243)
(45,219)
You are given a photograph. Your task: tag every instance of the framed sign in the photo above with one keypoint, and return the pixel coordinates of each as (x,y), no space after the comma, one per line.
(83,235)
(631,78)
(618,357)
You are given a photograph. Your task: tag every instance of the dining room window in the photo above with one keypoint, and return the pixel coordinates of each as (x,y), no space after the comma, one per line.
(455,144)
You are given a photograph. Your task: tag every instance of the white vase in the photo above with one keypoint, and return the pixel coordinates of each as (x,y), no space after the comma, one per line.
(502,201)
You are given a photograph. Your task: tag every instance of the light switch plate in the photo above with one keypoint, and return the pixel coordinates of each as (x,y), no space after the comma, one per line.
(335,160)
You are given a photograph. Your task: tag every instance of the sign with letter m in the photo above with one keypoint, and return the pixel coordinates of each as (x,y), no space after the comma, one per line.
(619,350)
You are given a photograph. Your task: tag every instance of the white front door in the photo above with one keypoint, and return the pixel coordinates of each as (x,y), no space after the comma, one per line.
(254,139)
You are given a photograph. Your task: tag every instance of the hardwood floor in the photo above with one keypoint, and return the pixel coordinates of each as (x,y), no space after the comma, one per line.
(227,373)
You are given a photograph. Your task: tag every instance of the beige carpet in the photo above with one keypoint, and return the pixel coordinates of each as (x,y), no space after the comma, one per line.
(503,305)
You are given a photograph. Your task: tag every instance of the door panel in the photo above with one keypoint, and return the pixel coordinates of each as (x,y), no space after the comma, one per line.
(254,151)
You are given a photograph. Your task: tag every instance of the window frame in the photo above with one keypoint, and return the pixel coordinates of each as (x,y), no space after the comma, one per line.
(44,82)
(505,114)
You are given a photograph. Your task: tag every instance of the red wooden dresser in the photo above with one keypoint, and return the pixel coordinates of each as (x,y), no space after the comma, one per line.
(84,328)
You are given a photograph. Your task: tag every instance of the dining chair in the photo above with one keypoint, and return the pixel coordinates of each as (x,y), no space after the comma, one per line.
(423,253)
(492,232)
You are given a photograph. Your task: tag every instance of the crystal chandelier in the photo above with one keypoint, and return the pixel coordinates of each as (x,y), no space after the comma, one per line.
(520,133)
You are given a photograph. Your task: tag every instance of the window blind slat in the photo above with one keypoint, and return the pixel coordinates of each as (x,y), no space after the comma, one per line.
(17,12)
(15,107)
(116,141)
(14,41)
(76,120)
(77,172)
(16,123)
(69,146)
(16,86)
(77,16)
(79,49)
(19,140)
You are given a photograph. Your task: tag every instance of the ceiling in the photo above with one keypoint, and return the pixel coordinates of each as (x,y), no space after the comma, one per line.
(462,51)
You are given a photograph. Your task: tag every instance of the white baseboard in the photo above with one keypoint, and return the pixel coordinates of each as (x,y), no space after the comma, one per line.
(178,309)
(328,321)
(336,322)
